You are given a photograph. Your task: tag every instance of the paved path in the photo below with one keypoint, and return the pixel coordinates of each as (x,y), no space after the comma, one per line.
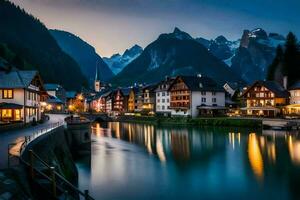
(9,137)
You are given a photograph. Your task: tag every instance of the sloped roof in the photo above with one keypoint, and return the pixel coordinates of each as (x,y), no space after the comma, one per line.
(53,99)
(51,86)
(273,86)
(71,94)
(195,83)
(10,106)
(167,82)
(16,79)
(295,86)
(125,91)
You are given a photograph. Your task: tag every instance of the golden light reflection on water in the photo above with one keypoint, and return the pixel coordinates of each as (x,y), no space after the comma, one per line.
(294,149)
(255,156)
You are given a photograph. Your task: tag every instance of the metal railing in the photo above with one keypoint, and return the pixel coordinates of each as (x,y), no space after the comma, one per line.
(16,149)
(58,183)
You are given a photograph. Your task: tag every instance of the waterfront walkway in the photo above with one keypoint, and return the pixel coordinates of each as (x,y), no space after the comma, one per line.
(8,137)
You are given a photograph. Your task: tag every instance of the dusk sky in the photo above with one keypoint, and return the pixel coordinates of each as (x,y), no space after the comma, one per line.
(111,26)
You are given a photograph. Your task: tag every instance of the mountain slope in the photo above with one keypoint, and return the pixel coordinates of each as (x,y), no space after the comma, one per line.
(84,54)
(30,39)
(117,62)
(173,54)
(256,52)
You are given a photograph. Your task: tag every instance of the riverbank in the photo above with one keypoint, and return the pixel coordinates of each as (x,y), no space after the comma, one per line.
(180,121)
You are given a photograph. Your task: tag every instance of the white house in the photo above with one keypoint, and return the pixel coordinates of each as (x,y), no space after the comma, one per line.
(196,96)
(20,96)
(163,97)
(294,107)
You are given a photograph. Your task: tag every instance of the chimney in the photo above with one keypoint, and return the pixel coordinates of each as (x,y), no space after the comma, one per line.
(285,82)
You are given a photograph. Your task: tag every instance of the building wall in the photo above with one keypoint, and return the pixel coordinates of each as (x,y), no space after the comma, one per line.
(197,100)
(163,102)
(295,96)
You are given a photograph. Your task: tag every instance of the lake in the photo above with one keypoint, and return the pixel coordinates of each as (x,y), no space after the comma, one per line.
(138,161)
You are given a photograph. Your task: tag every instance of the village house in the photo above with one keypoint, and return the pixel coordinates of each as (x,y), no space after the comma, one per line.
(265,98)
(196,95)
(294,107)
(149,99)
(163,97)
(57,98)
(21,93)
(133,99)
(70,98)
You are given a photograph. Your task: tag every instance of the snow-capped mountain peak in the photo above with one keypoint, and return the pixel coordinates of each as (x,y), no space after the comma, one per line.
(117,62)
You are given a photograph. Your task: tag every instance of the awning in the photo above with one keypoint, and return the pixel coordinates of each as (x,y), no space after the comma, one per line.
(10,106)
(260,108)
(293,106)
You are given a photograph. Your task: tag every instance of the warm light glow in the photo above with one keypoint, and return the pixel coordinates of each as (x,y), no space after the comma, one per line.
(294,150)
(255,156)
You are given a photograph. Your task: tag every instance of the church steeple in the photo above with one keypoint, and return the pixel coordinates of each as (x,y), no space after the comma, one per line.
(97,85)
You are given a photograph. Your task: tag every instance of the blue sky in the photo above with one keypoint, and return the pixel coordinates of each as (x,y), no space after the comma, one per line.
(111,26)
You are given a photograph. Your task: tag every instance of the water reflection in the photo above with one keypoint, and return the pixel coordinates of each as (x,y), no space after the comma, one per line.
(130,161)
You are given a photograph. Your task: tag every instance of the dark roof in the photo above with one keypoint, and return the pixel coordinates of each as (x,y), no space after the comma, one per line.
(71,94)
(53,99)
(125,91)
(273,86)
(203,83)
(51,86)
(295,86)
(16,78)
(167,82)
(10,106)
(151,87)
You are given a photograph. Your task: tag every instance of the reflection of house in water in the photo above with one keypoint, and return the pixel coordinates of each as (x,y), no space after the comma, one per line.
(294,149)
(255,156)
(180,145)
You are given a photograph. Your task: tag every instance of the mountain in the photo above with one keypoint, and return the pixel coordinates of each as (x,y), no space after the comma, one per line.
(31,41)
(84,54)
(117,62)
(220,47)
(256,52)
(173,54)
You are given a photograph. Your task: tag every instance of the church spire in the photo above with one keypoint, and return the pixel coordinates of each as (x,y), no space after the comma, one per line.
(96,75)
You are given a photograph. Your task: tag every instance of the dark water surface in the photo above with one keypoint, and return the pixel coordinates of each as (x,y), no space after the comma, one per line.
(136,161)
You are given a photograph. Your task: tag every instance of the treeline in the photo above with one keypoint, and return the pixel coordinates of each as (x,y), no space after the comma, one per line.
(32,43)
(286,61)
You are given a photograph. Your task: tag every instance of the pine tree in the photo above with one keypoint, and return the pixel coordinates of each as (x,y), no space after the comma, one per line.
(273,68)
(291,61)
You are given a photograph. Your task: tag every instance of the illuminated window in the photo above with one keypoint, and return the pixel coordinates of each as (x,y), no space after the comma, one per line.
(7,94)
(7,113)
(17,114)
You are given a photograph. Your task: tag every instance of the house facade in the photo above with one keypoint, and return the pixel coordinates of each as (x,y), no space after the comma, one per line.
(163,97)
(21,93)
(149,99)
(265,98)
(196,95)
(294,107)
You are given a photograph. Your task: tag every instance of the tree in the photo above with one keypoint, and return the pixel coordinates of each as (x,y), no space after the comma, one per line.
(291,61)
(273,68)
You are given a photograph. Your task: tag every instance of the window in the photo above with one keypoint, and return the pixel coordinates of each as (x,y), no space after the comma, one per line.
(203,93)
(163,100)
(203,99)
(214,100)
(7,113)
(168,100)
(158,100)
(214,93)
(163,94)
(7,94)
(163,107)
(157,94)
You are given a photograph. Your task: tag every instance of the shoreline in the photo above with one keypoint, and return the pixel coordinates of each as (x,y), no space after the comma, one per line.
(201,122)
